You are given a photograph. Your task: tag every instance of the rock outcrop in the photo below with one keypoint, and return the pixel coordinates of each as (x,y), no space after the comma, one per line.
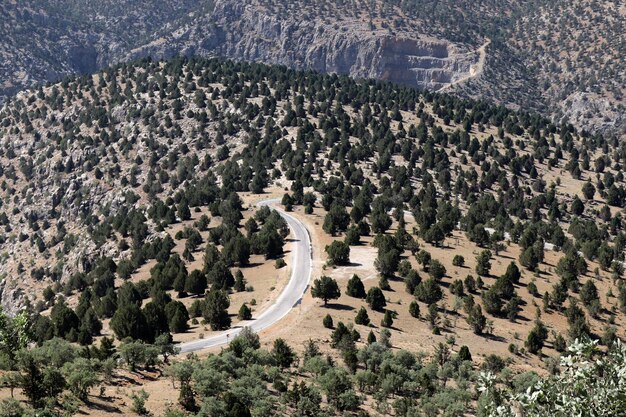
(239,31)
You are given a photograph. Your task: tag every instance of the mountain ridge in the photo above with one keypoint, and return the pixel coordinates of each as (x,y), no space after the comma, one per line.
(524,65)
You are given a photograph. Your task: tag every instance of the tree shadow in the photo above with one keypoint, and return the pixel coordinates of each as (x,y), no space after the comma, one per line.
(521,318)
(500,255)
(494,337)
(123,380)
(251,265)
(106,407)
(339,307)
(347,264)
(393,328)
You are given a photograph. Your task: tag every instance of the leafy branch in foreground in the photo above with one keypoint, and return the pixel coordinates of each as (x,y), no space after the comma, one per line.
(591,383)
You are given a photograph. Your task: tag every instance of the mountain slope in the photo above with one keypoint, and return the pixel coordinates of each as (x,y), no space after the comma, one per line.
(563,58)
(125,212)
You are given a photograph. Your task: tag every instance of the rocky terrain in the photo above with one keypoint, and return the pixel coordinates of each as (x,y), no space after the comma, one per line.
(542,55)
(246,31)
(565,58)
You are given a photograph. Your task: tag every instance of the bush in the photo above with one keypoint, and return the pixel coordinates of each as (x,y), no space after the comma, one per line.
(599,374)
(328,322)
(476,319)
(458,260)
(470,283)
(536,338)
(139,402)
(414,309)
(383,283)
(464,354)
(244,312)
(493,363)
(280,263)
(483,263)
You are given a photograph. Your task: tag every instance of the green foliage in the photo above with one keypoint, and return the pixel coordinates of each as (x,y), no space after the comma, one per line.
(387,260)
(436,270)
(196,283)
(80,376)
(220,277)
(64,320)
(464,354)
(244,312)
(362,317)
(139,402)
(355,287)
(411,281)
(530,258)
(14,336)
(325,288)
(483,263)
(429,291)
(240,282)
(536,338)
(387,320)
(136,353)
(282,353)
(336,220)
(561,394)
(216,309)
(423,258)
(129,321)
(375,299)
(338,253)
(476,319)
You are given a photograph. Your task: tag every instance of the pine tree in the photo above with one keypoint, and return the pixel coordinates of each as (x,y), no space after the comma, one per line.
(362,317)
(376,299)
(216,309)
(244,312)
(325,288)
(355,287)
(387,320)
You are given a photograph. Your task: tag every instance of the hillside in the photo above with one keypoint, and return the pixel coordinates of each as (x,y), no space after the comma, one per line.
(461,237)
(559,58)
(566,57)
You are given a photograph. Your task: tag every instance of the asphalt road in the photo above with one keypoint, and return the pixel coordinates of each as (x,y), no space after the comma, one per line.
(286,301)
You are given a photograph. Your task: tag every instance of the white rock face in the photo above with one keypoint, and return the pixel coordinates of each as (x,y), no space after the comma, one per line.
(241,32)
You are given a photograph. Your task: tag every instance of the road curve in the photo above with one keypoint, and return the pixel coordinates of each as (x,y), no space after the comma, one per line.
(288,298)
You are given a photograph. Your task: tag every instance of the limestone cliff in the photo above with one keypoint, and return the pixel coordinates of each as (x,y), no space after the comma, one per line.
(243,32)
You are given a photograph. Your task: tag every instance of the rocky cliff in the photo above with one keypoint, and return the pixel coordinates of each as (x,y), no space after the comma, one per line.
(243,32)
(571,70)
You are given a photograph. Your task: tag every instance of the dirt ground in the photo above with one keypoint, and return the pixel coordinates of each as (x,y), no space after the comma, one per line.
(305,321)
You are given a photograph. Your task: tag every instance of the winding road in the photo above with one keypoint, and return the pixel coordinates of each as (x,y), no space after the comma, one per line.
(286,301)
